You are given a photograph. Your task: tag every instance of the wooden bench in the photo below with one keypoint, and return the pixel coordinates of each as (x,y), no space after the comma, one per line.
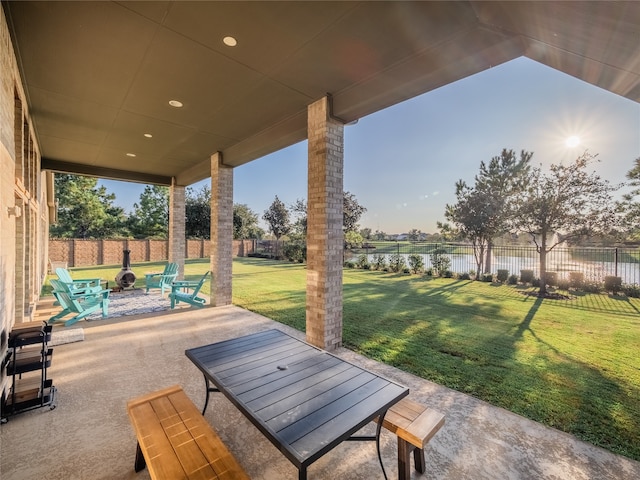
(176,442)
(414,424)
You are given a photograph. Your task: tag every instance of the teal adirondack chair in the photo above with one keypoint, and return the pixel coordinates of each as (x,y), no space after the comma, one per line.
(162,280)
(184,291)
(82,306)
(79,287)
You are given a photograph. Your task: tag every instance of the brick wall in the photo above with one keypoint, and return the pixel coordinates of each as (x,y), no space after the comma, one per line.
(81,253)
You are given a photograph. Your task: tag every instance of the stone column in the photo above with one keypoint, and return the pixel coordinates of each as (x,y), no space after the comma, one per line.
(177,236)
(221,230)
(324,227)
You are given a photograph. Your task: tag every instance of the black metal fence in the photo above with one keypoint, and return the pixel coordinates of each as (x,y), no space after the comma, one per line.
(594,262)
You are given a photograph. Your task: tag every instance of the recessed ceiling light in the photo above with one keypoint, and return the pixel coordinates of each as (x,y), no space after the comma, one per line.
(148,135)
(230,41)
(175,103)
(131,154)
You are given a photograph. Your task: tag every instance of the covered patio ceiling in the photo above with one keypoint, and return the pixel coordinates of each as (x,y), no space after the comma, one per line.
(100,75)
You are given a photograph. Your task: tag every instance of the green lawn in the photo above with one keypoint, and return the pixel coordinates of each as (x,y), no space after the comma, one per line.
(572,365)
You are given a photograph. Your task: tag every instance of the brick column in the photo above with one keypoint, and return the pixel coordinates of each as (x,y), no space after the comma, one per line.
(177,235)
(221,231)
(324,227)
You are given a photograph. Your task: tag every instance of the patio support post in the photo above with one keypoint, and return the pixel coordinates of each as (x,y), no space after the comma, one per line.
(221,230)
(177,237)
(324,226)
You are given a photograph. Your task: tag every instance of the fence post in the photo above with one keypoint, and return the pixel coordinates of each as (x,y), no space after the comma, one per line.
(616,261)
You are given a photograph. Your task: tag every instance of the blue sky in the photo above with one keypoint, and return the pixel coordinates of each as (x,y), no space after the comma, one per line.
(402,163)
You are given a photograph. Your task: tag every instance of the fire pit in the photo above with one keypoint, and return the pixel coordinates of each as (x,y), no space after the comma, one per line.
(125,277)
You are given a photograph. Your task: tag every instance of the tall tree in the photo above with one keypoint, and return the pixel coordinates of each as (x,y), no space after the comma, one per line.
(499,181)
(480,213)
(352,211)
(198,213)
(150,217)
(85,210)
(471,216)
(277,217)
(631,203)
(245,223)
(565,204)
(299,227)
(414,235)
(366,233)
(379,235)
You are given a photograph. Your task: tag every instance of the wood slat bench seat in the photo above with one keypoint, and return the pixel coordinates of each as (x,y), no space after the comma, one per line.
(414,424)
(176,442)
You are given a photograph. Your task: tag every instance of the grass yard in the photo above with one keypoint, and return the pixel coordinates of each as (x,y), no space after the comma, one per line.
(572,365)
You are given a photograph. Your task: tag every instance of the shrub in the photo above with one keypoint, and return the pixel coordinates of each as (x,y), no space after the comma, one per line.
(429,272)
(349,264)
(487,277)
(503,275)
(563,284)
(396,263)
(379,261)
(440,261)
(592,287)
(366,266)
(295,252)
(512,280)
(631,290)
(416,264)
(526,276)
(447,274)
(576,279)
(362,261)
(535,283)
(464,276)
(406,270)
(612,284)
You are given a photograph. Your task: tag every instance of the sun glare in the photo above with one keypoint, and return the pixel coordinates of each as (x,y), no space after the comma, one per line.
(572,142)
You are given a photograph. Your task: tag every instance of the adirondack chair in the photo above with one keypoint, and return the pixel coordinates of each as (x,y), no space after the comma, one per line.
(81,306)
(184,291)
(162,280)
(80,287)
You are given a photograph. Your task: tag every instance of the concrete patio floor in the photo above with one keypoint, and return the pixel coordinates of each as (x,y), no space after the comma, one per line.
(88,435)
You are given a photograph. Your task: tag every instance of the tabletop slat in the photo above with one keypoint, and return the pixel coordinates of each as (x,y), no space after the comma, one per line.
(263,365)
(273,379)
(300,388)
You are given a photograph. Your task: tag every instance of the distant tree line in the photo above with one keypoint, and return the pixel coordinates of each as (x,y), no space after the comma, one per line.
(86,210)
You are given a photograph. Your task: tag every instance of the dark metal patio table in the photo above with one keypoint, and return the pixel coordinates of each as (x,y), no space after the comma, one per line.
(303,399)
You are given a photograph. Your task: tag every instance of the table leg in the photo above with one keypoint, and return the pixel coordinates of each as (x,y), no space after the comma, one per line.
(302,473)
(378,429)
(377,440)
(208,390)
